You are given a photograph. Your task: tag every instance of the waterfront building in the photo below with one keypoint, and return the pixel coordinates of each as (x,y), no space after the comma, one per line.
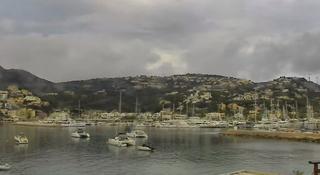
(110,115)
(215,116)
(166,115)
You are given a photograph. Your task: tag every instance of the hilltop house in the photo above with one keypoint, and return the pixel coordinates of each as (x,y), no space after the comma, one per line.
(3,95)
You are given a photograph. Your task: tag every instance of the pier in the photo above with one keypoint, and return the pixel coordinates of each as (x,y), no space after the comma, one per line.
(298,136)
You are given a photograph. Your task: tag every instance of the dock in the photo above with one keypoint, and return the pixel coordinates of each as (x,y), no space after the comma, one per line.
(297,136)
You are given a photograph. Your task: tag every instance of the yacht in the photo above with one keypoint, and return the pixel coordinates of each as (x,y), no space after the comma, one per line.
(116,142)
(80,133)
(122,140)
(5,167)
(21,139)
(137,134)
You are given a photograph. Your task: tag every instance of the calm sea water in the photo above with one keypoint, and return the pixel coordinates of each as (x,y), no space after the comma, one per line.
(52,151)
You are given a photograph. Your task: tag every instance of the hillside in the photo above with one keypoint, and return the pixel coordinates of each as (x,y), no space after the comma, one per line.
(206,92)
(24,79)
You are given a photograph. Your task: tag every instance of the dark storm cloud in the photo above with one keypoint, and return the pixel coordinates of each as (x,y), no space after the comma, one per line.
(81,39)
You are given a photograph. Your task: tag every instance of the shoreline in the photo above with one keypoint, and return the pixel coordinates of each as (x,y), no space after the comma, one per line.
(281,135)
(36,124)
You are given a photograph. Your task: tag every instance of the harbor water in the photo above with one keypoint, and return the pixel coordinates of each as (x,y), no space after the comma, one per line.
(52,151)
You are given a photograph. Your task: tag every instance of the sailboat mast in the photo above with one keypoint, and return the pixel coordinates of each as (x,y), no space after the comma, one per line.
(136,108)
(187,109)
(120,102)
(297,109)
(79,108)
(255,108)
(192,109)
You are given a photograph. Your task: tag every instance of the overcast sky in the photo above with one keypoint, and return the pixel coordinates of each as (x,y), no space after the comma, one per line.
(64,40)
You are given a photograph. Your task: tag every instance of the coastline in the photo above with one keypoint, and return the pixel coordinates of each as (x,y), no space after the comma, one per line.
(35,123)
(297,136)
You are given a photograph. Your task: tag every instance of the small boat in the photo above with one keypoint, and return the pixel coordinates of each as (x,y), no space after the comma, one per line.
(116,142)
(137,134)
(122,140)
(21,139)
(145,147)
(80,133)
(5,167)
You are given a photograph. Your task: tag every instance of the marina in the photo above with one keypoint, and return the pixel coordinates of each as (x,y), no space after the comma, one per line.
(297,136)
(153,87)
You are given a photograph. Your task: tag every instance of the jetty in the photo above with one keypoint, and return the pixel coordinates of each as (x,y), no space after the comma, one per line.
(36,123)
(246,172)
(295,135)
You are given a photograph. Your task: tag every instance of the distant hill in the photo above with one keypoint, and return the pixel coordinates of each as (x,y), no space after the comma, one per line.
(24,79)
(154,92)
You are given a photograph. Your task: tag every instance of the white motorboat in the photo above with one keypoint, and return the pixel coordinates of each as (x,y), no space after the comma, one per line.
(5,167)
(145,147)
(21,139)
(80,133)
(137,134)
(117,142)
(122,140)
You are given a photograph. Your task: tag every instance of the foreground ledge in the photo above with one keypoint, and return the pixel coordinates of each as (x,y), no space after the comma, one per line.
(246,172)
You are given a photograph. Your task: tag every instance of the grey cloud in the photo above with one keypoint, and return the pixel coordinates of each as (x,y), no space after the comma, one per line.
(81,39)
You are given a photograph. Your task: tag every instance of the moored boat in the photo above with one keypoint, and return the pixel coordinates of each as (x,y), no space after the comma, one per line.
(137,134)
(145,147)
(21,139)
(116,142)
(122,140)
(80,133)
(5,167)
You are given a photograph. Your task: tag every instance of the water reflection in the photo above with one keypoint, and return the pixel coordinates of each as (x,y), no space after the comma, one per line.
(79,140)
(21,148)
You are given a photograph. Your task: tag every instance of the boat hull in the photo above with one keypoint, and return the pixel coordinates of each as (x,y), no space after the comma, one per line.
(77,135)
(118,143)
(5,167)
(144,148)
(20,140)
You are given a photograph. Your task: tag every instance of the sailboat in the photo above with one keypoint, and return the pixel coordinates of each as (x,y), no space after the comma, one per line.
(72,123)
(311,122)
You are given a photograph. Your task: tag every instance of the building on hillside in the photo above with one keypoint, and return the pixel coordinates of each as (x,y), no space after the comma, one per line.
(4,95)
(59,116)
(166,115)
(32,100)
(215,116)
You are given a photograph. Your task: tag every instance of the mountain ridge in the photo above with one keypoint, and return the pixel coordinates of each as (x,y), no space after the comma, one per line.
(24,79)
(174,90)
